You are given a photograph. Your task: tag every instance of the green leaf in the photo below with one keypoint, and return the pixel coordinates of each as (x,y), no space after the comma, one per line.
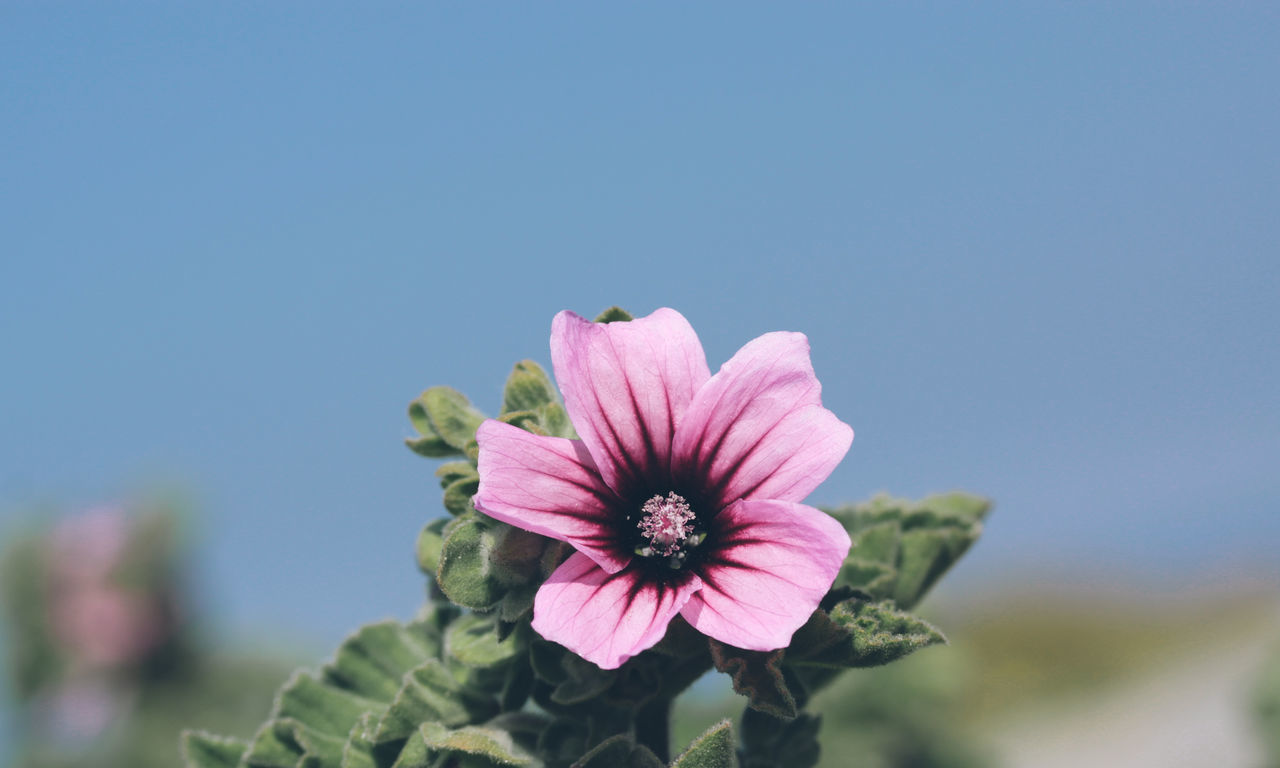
(555,420)
(926,555)
(713,749)
(446,414)
(901,548)
(477,656)
(486,746)
(619,752)
(358,752)
(274,746)
(323,708)
(614,315)
(432,447)
(205,750)
(878,543)
(758,676)
(859,633)
(528,388)
(431,545)
(529,421)
(430,693)
(876,579)
(372,661)
(457,495)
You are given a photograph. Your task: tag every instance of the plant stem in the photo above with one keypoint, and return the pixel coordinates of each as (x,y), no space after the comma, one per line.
(653,727)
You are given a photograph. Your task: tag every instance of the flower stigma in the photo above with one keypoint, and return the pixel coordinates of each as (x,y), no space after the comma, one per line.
(668,525)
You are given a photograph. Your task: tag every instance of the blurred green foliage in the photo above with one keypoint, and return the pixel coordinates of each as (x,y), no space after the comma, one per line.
(104,660)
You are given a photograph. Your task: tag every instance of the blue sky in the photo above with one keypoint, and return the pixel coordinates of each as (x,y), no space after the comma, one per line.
(1036,251)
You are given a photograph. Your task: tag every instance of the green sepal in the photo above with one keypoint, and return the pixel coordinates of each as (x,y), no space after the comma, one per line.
(614,315)
(528,388)
(619,752)
(466,573)
(446,415)
(430,692)
(205,750)
(713,749)
(758,676)
(859,633)
(430,545)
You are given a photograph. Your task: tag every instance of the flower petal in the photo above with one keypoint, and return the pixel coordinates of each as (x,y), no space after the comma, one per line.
(772,564)
(626,386)
(550,486)
(607,618)
(758,428)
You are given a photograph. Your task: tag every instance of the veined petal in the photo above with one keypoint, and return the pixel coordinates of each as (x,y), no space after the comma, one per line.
(772,564)
(550,486)
(626,387)
(757,429)
(607,618)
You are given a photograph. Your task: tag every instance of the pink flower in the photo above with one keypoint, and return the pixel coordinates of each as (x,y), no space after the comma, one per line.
(683,495)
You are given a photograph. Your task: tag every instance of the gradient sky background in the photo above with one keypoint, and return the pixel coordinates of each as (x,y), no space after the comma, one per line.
(1036,251)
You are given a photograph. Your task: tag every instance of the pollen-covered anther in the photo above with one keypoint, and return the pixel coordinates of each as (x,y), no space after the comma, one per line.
(667,524)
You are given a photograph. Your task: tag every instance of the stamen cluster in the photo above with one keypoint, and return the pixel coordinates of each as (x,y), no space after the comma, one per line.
(667,524)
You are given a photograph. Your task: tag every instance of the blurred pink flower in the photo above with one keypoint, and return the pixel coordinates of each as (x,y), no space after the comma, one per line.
(101,623)
(682,495)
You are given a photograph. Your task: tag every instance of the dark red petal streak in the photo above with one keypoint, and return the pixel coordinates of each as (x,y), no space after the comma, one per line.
(607,618)
(771,564)
(757,429)
(550,486)
(626,387)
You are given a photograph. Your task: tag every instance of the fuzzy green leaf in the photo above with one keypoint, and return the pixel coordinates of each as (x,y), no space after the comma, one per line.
(205,750)
(478,655)
(274,746)
(528,387)
(321,707)
(431,693)
(485,746)
(713,749)
(358,752)
(864,634)
(758,676)
(431,545)
(446,414)
(373,660)
(432,447)
(614,315)
(619,752)
(926,555)
(901,548)
(457,495)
